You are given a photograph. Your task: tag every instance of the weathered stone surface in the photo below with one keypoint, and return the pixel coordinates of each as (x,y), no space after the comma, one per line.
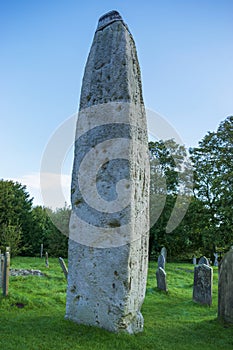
(164,253)
(161,262)
(203,260)
(161,279)
(108,245)
(225,288)
(203,281)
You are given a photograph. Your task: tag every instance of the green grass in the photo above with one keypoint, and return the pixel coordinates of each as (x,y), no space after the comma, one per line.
(172,320)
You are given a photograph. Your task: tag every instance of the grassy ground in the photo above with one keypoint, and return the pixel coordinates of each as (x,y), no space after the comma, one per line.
(172,320)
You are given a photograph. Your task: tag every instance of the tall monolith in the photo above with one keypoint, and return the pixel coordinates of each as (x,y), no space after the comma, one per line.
(109,225)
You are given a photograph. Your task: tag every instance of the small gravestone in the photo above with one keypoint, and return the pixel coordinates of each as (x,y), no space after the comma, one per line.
(203,281)
(194,260)
(203,260)
(164,253)
(225,288)
(161,279)
(63,266)
(161,262)
(215,259)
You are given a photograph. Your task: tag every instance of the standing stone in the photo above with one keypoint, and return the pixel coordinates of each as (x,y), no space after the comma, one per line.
(109,225)
(194,260)
(203,281)
(225,288)
(161,262)
(164,253)
(203,260)
(161,279)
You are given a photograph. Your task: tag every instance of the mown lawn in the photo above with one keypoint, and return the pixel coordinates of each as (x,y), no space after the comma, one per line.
(172,320)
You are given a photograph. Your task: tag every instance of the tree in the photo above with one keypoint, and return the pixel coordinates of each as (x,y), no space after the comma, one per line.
(171,185)
(15,211)
(58,238)
(212,162)
(10,236)
(42,228)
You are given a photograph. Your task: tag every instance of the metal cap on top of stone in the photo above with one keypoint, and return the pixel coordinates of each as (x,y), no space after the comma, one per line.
(225,288)
(109,225)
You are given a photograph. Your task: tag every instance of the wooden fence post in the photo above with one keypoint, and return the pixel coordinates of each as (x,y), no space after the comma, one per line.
(41,250)
(46,259)
(63,266)
(6,273)
(0,269)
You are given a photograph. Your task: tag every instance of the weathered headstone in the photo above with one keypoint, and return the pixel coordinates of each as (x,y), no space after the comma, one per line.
(203,281)
(108,237)
(225,288)
(161,262)
(63,266)
(215,259)
(194,260)
(161,279)
(164,253)
(203,260)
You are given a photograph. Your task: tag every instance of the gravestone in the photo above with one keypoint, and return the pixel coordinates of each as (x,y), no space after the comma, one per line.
(63,266)
(215,259)
(194,260)
(164,253)
(203,281)
(161,262)
(225,288)
(109,224)
(203,260)
(161,279)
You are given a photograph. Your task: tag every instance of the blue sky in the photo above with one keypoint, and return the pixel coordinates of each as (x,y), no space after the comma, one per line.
(185,51)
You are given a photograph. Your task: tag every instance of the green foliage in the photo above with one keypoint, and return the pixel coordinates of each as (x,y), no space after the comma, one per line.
(212,161)
(171,321)
(15,213)
(10,236)
(170,176)
(58,238)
